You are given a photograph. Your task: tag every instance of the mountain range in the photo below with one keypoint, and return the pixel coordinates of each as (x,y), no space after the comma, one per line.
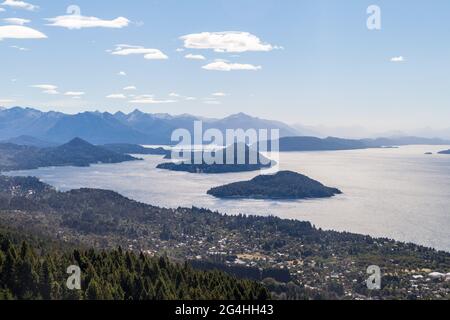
(104,128)
(31,127)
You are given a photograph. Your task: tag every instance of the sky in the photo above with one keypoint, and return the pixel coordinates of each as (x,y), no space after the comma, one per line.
(313,62)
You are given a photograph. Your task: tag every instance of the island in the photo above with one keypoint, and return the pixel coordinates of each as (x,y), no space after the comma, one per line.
(77,153)
(224,167)
(445,152)
(286,185)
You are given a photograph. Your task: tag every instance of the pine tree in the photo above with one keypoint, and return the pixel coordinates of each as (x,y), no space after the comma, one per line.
(94,291)
(46,281)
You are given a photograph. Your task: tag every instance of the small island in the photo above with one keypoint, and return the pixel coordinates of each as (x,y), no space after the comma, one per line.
(223,167)
(285,185)
(444,152)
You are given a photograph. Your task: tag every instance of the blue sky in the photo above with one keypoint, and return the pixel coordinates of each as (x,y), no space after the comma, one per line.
(311,62)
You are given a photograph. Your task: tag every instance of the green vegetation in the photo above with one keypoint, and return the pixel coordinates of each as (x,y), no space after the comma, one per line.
(77,153)
(283,185)
(30,271)
(321,264)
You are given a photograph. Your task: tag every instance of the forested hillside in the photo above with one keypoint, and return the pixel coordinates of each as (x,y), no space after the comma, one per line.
(31,271)
(77,152)
(300,261)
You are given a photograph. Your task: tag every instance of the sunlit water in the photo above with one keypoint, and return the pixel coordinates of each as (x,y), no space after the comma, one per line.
(397,193)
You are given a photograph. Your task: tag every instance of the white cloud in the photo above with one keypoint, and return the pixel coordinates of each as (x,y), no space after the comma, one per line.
(6,101)
(179,50)
(181,97)
(150,54)
(50,92)
(214,102)
(2,10)
(195,57)
(398,59)
(130,88)
(16,4)
(19,48)
(116,96)
(219,94)
(20,32)
(17,21)
(74,93)
(122,73)
(229,41)
(47,88)
(75,21)
(149,99)
(220,65)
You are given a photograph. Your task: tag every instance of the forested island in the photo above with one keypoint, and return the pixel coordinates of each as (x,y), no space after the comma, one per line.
(77,152)
(283,185)
(292,259)
(237,164)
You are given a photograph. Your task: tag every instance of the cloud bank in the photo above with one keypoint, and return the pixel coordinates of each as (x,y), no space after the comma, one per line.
(228,41)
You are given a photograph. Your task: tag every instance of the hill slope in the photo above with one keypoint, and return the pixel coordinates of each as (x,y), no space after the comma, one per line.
(77,153)
(33,272)
(30,141)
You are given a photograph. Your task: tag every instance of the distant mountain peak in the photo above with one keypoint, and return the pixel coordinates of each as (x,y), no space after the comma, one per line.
(137,112)
(76,142)
(240,115)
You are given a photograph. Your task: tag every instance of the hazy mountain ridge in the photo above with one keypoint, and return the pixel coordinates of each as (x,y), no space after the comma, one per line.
(29,141)
(103,128)
(27,126)
(296,144)
(359,132)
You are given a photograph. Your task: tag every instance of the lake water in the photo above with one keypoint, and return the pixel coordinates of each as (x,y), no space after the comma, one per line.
(397,193)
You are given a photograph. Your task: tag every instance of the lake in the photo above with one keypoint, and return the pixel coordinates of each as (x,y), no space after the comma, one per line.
(396,193)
